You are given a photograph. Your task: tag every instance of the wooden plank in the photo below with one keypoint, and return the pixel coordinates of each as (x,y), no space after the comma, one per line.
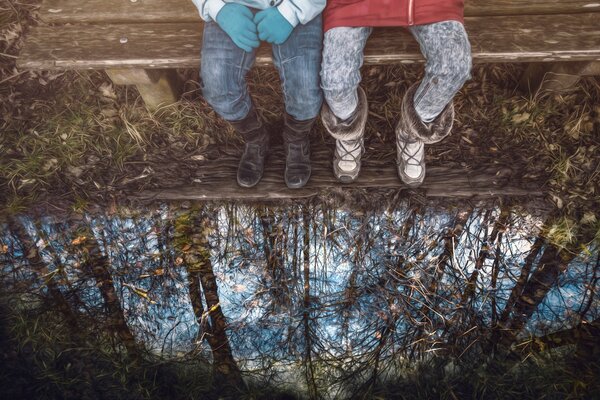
(528,7)
(135,11)
(111,11)
(216,181)
(117,46)
(544,38)
(494,39)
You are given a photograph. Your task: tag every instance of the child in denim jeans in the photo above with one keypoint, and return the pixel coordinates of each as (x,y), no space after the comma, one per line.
(232,33)
(426,112)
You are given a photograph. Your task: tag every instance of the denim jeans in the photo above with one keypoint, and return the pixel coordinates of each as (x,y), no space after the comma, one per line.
(445,46)
(224,68)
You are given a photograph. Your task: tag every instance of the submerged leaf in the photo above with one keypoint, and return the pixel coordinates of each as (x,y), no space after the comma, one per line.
(140,292)
(79,240)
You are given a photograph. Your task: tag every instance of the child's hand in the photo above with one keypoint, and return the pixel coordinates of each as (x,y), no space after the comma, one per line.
(272,26)
(236,20)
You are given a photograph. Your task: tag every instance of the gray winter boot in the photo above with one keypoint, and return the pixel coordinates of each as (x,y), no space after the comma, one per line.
(251,166)
(349,139)
(412,134)
(296,141)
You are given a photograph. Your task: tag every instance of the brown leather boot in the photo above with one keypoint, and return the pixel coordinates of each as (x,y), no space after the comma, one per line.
(296,141)
(251,166)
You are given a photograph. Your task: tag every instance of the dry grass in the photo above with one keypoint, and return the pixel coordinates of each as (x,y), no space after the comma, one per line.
(47,359)
(75,138)
(87,136)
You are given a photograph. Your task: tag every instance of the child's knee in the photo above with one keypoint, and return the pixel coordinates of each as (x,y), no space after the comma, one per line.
(222,91)
(451,67)
(460,74)
(458,58)
(213,79)
(462,67)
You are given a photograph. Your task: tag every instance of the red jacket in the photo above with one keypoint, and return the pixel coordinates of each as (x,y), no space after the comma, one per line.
(390,12)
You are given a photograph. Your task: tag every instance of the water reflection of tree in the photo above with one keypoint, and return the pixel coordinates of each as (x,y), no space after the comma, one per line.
(191,239)
(40,268)
(95,264)
(551,261)
(327,301)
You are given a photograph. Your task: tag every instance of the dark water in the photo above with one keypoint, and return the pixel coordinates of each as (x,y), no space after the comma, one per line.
(326,302)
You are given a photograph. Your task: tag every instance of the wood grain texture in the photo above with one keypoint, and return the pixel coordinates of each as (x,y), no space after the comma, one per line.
(528,7)
(217,181)
(110,11)
(494,39)
(117,46)
(157,87)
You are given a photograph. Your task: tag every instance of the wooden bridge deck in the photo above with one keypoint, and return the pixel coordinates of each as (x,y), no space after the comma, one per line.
(216,180)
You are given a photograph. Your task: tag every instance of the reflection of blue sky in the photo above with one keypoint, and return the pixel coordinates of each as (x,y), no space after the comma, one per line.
(563,304)
(165,321)
(364,276)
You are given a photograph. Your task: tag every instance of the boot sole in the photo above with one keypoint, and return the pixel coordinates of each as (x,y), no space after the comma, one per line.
(244,185)
(346,176)
(299,185)
(411,182)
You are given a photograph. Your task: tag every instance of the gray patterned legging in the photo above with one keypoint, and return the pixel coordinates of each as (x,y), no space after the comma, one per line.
(445,46)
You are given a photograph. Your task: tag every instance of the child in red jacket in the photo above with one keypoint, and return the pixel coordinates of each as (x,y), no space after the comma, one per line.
(427,112)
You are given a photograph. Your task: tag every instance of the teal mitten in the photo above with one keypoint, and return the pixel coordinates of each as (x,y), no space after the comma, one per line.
(236,20)
(272,26)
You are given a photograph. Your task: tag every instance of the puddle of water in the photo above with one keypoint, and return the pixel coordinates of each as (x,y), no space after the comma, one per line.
(298,289)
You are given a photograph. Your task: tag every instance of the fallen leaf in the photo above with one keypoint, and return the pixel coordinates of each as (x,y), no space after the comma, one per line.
(186,247)
(75,171)
(557,200)
(214,308)
(109,112)
(50,164)
(32,254)
(140,292)
(107,90)
(239,288)
(79,240)
(519,118)
(588,218)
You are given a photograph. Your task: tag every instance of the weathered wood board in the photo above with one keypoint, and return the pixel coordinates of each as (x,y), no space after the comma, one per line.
(216,180)
(528,7)
(135,11)
(546,38)
(112,11)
